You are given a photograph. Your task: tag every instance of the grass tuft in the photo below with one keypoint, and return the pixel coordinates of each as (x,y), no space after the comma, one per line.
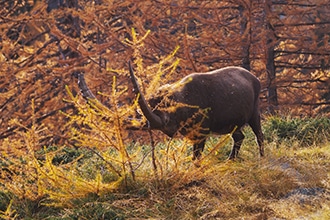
(305,131)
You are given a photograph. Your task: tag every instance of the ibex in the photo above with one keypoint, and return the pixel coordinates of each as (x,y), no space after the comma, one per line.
(202,103)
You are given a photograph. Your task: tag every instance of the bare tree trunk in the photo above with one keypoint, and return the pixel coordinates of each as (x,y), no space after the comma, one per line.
(272,90)
(270,65)
(246,41)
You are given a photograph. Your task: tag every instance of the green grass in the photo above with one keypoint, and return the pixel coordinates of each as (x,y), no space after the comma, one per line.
(304,131)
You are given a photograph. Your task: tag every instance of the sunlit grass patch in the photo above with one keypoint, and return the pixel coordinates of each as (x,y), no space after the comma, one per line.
(250,187)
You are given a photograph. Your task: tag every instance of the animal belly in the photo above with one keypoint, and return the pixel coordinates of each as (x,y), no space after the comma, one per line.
(227,125)
(224,130)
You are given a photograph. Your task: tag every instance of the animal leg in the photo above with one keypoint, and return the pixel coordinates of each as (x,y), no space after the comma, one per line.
(256,127)
(197,149)
(238,137)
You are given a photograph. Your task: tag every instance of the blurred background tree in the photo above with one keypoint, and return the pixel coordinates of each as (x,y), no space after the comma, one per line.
(44,44)
(301,55)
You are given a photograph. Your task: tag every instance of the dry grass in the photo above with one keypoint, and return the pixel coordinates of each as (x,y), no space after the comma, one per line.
(289,183)
(286,185)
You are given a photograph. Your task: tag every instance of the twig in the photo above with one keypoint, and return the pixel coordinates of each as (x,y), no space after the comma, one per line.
(107,162)
(152,142)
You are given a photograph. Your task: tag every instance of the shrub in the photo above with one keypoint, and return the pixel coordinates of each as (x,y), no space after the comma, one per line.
(307,131)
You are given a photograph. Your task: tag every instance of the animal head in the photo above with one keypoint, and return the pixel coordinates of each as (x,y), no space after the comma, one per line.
(160,108)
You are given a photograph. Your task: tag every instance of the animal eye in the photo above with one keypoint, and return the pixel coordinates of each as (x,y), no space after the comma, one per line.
(166,118)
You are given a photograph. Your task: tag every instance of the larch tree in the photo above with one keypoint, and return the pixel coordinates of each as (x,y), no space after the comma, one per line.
(44,44)
(299,55)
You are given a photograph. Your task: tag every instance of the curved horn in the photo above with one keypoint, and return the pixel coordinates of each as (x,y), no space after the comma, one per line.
(155,120)
(86,92)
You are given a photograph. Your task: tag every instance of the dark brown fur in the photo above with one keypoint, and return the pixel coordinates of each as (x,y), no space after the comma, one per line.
(229,98)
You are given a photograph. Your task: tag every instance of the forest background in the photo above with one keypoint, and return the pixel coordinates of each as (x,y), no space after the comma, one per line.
(46,44)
